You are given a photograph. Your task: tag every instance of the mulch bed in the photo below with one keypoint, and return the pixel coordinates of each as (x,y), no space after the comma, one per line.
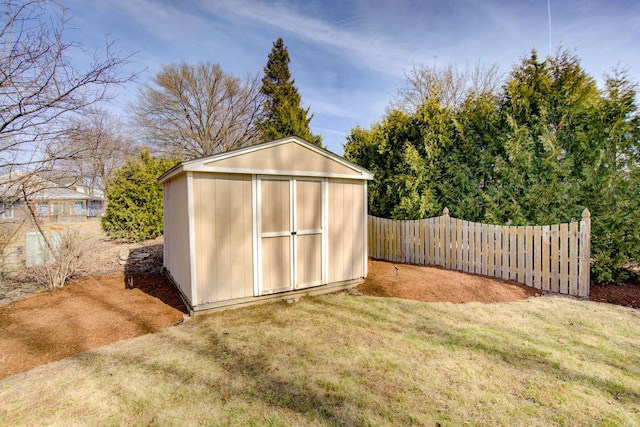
(436,284)
(627,295)
(86,313)
(98,310)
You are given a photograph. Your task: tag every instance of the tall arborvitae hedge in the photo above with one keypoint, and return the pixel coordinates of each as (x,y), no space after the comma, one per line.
(542,149)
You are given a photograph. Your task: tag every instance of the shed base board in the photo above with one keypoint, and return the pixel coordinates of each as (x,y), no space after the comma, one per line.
(243,302)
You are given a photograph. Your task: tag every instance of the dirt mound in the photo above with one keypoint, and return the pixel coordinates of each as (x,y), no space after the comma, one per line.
(435,284)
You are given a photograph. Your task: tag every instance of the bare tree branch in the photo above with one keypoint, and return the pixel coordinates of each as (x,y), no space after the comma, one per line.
(193,111)
(38,84)
(92,148)
(449,85)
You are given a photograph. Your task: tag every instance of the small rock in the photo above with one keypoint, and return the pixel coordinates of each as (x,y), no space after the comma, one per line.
(139,255)
(124,254)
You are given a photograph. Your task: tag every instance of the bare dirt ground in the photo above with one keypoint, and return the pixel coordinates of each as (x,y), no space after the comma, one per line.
(87,313)
(627,295)
(120,295)
(435,284)
(103,305)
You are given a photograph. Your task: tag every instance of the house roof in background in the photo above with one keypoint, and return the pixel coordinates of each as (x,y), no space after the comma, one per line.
(38,188)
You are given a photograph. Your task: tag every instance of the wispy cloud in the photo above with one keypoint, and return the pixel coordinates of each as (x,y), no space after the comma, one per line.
(376,50)
(349,56)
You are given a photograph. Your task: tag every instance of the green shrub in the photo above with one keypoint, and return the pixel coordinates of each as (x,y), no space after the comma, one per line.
(134,209)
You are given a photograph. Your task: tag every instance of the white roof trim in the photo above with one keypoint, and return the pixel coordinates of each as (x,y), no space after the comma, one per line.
(199,165)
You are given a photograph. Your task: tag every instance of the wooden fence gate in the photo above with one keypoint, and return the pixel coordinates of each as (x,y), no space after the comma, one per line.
(553,258)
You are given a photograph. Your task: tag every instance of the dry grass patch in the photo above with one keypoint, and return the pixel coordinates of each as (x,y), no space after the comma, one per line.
(346,360)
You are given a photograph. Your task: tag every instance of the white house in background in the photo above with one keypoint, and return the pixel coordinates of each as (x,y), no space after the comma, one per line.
(53,202)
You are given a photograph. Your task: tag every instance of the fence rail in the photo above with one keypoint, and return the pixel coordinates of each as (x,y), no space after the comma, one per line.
(553,258)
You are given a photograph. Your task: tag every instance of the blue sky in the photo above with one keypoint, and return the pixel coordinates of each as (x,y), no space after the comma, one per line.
(349,58)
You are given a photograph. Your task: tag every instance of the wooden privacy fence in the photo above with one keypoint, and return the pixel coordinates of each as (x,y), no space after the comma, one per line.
(549,257)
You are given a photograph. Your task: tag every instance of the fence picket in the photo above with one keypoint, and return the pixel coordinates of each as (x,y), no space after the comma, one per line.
(585,254)
(389,240)
(520,232)
(494,255)
(380,240)
(444,248)
(378,237)
(554,258)
(432,243)
(499,245)
(398,240)
(528,257)
(477,258)
(406,252)
(563,270)
(513,253)
(537,256)
(573,258)
(465,246)
(546,257)
(421,241)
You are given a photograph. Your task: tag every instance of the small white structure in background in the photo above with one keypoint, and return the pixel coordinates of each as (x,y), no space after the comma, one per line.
(275,220)
(36,250)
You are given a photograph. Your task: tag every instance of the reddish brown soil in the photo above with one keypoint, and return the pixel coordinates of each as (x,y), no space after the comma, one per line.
(85,314)
(627,295)
(99,310)
(435,284)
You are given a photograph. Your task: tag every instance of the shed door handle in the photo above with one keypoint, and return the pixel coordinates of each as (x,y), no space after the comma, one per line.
(293,233)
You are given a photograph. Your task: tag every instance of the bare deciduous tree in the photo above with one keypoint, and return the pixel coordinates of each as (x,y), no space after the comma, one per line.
(40,89)
(94,146)
(39,85)
(195,111)
(449,85)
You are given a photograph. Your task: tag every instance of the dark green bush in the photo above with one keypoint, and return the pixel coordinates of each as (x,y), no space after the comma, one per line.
(134,209)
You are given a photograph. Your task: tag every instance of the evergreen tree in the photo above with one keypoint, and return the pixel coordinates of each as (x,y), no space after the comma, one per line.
(283,115)
(134,210)
(610,184)
(550,145)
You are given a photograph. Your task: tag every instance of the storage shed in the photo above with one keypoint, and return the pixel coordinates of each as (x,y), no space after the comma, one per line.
(274,220)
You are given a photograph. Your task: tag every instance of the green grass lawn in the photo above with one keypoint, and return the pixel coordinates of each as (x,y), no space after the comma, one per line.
(347,360)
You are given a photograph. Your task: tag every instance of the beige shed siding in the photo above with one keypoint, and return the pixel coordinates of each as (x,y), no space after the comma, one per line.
(275,206)
(308,205)
(346,228)
(285,157)
(176,231)
(308,226)
(309,260)
(223,231)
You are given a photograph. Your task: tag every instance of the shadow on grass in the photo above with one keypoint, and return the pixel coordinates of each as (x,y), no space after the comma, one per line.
(249,377)
(527,351)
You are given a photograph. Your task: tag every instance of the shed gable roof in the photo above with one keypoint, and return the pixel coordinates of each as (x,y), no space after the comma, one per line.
(289,156)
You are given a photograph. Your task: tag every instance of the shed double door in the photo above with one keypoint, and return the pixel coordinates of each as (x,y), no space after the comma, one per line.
(291,233)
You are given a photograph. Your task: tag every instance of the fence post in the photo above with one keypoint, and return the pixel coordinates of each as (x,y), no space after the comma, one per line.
(585,254)
(445,241)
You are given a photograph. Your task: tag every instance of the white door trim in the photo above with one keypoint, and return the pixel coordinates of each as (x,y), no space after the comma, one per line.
(193,276)
(293,233)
